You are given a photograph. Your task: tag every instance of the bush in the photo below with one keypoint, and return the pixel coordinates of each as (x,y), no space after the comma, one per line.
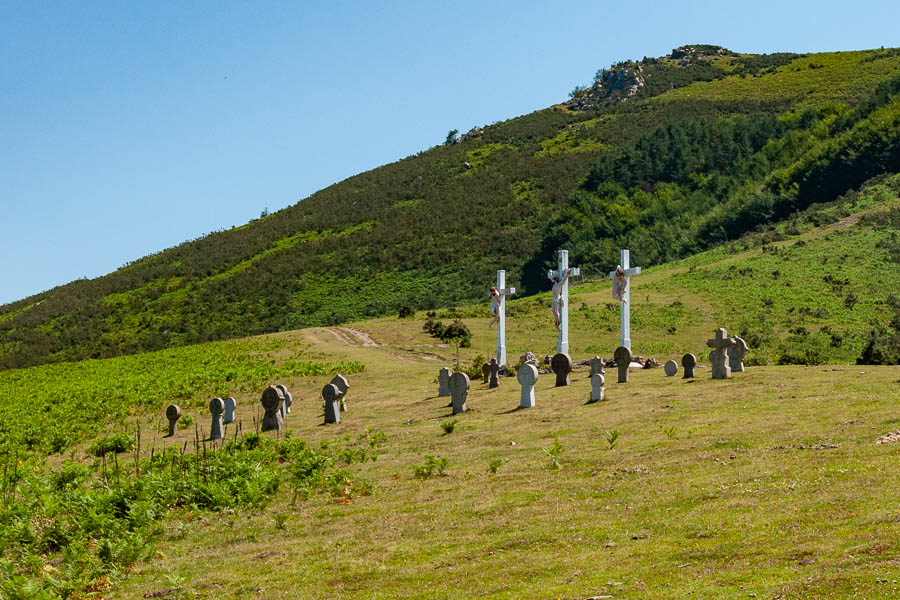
(115,443)
(883,342)
(433,467)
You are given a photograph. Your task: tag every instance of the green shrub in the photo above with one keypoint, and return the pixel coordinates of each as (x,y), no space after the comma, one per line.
(115,443)
(433,467)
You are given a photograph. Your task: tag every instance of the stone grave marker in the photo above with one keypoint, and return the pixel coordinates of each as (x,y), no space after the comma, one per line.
(332,397)
(443,382)
(689,362)
(718,358)
(527,375)
(459,391)
(343,386)
(230,405)
(271,400)
(216,409)
(623,362)
(597,389)
(596,367)
(485,373)
(561,364)
(494,370)
(671,368)
(288,400)
(736,355)
(173,413)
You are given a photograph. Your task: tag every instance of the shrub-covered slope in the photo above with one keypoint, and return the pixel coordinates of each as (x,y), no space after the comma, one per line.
(727,143)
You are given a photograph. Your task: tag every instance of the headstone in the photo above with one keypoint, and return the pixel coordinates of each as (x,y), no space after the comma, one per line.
(529,358)
(561,364)
(271,400)
(597,366)
(230,405)
(494,371)
(501,311)
(216,409)
(623,362)
(332,397)
(622,292)
(671,368)
(173,413)
(343,386)
(485,373)
(443,382)
(288,400)
(718,358)
(597,389)
(689,362)
(527,376)
(562,339)
(736,355)
(459,391)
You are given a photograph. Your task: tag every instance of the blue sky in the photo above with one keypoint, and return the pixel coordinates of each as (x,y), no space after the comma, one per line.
(127,128)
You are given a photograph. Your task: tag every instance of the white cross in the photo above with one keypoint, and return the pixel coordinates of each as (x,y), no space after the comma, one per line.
(501,311)
(562,340)
(624,258)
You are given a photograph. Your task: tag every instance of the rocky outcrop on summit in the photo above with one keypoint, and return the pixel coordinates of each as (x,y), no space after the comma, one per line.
(651,76)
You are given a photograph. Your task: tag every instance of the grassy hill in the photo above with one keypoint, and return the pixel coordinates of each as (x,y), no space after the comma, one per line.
(712,145)
(771,484)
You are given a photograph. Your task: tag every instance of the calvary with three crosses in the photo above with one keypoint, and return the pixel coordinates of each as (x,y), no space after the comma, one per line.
(621,291)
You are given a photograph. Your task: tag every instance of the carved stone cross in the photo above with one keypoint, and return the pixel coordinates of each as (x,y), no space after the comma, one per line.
(494,371)
(527,375)
(718,358)
(689,362)
(561,364)
(216,410)
(459,391)
(271,400)
(501,324)
(623,361)
(625,301)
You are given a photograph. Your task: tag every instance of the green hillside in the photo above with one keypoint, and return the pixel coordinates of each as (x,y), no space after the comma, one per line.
(709,146)
(771,484)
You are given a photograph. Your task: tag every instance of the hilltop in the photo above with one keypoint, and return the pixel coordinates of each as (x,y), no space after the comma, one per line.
(667,156)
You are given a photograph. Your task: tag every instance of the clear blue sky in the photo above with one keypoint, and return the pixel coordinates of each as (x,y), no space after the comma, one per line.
(129,127)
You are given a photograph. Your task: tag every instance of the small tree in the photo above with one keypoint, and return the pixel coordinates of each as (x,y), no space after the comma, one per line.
(457,333)
(451,137)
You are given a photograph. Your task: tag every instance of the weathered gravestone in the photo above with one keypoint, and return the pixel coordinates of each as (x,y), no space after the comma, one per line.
(597,389)
(173,413)
(288,400)
(343,386)
(689,362)
(271,401)
(527,376)
(216,409)
(485,373)
(718,358)
(230,405)
(561,364)
(332,397)
(494,371)
(596,367)
(671,368)
(459,391)
(443,382)
(622,356)
(736,355)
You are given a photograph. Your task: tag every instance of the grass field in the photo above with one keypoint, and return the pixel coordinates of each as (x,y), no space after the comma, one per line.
(768,485)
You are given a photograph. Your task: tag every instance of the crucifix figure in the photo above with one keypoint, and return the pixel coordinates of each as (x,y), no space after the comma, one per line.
(560,303)
(622,292)
(498,313)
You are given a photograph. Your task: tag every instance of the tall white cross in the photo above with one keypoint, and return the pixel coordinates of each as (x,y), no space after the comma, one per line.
(624,259)
(501,311)
(562,340)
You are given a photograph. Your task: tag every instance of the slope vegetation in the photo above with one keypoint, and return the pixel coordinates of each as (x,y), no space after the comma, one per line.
(727,144)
